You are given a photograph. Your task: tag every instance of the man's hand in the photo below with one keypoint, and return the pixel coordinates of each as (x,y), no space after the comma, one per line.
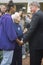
(19,42)
(25,30)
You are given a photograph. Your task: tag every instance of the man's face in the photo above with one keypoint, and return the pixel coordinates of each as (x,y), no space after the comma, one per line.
(13,9)
(18,18)
(20,13)
(3,9)
(33,9)
(23,15)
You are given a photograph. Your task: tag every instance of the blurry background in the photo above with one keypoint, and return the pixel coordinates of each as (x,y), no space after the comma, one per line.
(22,3)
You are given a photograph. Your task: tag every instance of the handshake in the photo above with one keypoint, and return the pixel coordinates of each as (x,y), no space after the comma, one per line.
(20,42)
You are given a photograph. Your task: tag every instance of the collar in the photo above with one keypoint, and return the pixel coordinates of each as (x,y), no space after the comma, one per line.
(37,10)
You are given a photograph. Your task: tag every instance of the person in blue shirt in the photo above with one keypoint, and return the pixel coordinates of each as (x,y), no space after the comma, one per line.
(17,57)
(8,36)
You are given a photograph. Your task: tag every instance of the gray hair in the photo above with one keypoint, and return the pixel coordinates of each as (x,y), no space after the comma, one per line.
(35,3)
(14,16)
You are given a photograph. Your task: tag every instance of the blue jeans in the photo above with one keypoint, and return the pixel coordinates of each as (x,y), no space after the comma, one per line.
(7,57)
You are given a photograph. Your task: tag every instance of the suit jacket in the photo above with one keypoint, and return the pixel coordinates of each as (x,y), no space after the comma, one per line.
(35,33)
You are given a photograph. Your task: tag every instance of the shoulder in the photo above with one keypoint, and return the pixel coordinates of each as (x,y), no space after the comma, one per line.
(39,13)
(6,17)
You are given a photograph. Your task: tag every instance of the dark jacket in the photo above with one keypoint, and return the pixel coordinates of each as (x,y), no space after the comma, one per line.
(35,33)
(19,31)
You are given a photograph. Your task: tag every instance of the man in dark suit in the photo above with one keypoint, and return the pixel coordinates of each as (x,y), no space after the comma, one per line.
(35,34)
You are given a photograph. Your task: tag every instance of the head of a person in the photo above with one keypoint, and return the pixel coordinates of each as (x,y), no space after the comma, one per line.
(3,9)
(23,15)
(20,12)
(11,7)
(24,9)
(16,17)
(34,6)
(0,13)
(29,15)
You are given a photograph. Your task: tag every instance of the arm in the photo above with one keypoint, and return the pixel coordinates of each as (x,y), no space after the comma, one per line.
(33,26)
(10,31)
(19,42)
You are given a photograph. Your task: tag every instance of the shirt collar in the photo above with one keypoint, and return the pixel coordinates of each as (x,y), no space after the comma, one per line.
(37,10)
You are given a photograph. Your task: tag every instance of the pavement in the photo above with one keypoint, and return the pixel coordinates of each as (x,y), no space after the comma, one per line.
(26,61)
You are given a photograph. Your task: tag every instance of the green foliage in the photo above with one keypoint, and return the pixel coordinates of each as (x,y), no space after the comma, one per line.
(1,55)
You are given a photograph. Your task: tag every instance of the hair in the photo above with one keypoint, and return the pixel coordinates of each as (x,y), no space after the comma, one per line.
(1,6)
(0,9)
(14,16)
(35,3)
(9,5)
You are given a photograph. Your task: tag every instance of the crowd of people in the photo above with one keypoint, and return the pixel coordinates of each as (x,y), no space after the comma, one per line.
(21,32)
(16,27)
